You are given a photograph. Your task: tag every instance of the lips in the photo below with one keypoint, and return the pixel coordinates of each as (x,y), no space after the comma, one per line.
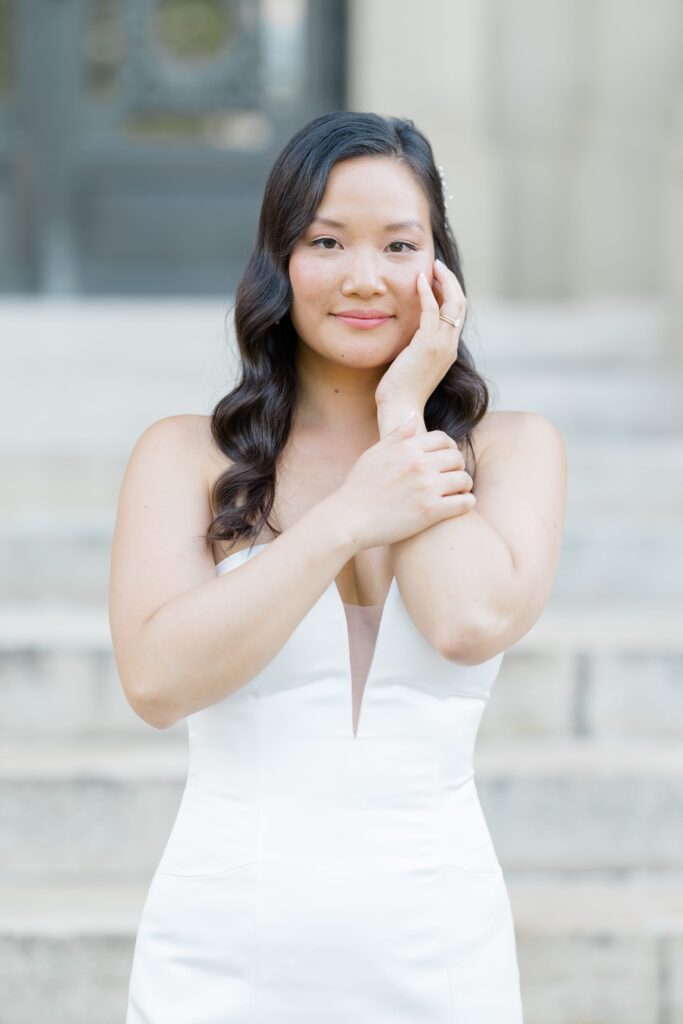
(363,322)
(364,314)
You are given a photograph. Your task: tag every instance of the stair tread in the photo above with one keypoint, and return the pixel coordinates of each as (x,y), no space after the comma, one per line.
(572,907)
(68,625)
(163,755)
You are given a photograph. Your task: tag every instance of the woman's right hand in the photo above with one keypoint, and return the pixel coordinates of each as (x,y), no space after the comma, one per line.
(403,484)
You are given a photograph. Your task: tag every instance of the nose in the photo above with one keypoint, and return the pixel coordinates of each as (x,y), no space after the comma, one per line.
(362,275)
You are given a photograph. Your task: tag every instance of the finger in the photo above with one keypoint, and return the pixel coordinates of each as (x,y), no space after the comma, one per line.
(456,482)
(454,301)
(433,440)
(429,307)
(456,504)
(449,459)
(449,283)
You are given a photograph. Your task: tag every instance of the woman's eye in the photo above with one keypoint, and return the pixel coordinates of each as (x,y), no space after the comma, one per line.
(409,244)
(318,241)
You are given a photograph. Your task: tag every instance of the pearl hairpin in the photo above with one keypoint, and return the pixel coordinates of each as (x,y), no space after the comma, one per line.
(446,194)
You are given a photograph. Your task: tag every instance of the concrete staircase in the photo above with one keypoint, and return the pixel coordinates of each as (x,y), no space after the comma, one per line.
(579,762)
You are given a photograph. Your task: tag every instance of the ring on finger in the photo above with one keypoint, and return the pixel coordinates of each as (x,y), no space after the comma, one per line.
(449,320)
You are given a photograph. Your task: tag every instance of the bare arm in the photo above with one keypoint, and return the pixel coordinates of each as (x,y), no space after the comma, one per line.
(478,582)
(185,638)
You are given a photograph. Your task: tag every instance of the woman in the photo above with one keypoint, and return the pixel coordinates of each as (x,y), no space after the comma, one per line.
(330,861)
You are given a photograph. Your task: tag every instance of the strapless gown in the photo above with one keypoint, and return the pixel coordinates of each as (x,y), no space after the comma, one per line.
(330,862)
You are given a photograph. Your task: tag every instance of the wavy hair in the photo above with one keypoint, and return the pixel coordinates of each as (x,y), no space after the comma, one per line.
(251,424)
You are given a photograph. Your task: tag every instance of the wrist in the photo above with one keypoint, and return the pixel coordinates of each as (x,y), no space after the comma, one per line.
(339,526)
(391,415)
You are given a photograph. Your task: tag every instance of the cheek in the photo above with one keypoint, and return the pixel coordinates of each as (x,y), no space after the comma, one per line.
(308,279)
(409,298)
(410,307)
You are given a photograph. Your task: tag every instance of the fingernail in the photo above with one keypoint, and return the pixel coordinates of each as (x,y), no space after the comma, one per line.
(422,275)
(409,416)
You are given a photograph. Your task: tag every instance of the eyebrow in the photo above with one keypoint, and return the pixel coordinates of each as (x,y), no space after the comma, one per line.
(398,226)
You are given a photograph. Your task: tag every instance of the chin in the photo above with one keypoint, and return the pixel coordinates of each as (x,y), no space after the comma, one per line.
(364,360)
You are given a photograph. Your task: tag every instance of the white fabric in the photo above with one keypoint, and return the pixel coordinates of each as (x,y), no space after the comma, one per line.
(316,877)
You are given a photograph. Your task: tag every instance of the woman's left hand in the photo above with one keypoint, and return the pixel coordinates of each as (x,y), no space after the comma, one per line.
(418,368)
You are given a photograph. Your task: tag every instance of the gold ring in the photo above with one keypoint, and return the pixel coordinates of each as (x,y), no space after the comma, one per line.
(453,323)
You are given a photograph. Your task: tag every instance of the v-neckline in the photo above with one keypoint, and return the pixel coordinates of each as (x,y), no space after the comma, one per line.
(341,615)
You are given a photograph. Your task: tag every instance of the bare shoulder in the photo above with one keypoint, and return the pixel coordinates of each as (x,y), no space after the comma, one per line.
(505,430)
(498,422)
(198,429)
(521,450)
(183,429)
(215,461)
(494,425)
(159,548)
(165,472)
(521,490)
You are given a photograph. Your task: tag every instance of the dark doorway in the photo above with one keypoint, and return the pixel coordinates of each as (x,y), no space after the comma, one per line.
(136,135)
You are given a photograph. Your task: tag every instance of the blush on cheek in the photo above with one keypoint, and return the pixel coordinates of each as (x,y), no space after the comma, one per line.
(310,287)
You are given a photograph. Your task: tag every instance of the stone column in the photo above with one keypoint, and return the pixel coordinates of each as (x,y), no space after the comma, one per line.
(672,240)
(430,62)
(554,121)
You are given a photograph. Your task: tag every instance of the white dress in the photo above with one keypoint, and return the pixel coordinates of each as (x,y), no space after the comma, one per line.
(319,874)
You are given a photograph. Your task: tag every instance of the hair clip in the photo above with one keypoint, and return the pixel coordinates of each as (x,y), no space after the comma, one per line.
(446,194)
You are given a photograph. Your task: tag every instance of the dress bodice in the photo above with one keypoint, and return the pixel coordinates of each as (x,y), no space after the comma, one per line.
(319,871)
(282,750)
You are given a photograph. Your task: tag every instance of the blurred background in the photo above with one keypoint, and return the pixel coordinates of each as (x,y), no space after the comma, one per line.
(135,140)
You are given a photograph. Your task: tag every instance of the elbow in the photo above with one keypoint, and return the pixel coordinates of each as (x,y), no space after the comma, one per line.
(156,720)
(143,674)
(471,644)
(148,706)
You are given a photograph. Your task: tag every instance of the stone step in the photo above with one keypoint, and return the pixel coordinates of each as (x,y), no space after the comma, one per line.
(596,335)
(559,805)
(620,401)
(609,951)
(588,671)
(605,672)
(188,337)
(102,810)
(589,365)
(624,477)
(599,951)
(635,475)
(69,483)
(94,810)
(620,561)
(60,676)
(117,365)
(625,557)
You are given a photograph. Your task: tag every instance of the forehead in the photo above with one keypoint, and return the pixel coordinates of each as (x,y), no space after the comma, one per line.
(380,188)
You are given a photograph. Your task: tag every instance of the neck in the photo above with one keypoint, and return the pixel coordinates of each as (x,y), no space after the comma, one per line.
(336,398)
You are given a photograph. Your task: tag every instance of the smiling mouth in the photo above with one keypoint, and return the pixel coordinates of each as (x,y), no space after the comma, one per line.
(363,323)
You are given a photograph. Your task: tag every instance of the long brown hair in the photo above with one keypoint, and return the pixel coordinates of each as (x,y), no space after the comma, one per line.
(252,422)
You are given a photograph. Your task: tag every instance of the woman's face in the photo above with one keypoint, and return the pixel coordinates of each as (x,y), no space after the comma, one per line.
(362,262)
